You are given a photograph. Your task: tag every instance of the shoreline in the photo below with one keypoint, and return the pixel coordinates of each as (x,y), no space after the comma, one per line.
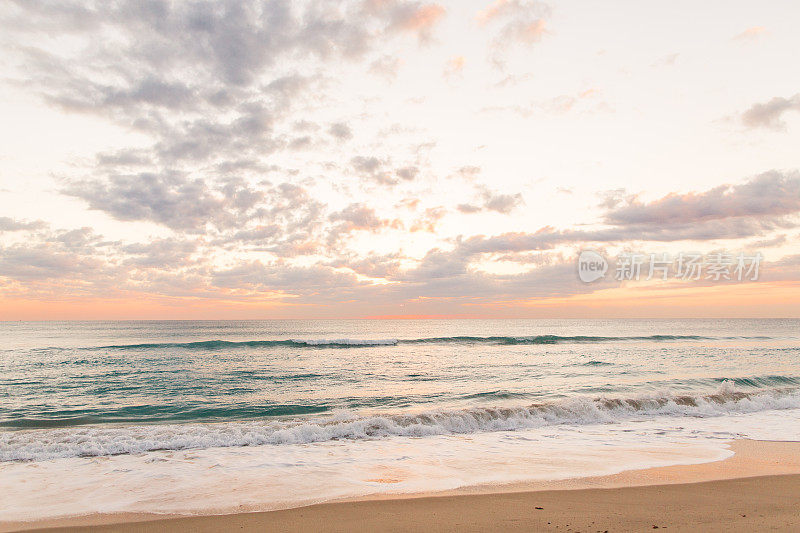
(766,472)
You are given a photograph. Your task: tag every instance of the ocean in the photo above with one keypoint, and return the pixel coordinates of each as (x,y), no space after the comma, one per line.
(217,416)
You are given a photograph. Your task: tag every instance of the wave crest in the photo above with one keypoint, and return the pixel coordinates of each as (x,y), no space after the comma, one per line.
(87,441)
(351,343)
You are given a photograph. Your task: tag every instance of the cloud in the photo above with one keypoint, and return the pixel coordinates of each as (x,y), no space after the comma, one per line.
(514,22)
(469,172)
(10,224)
(453,275)
(373,265)
(507,9)
(184,268)
(176,201)
(359,216)
(340,131)
(411,17)
(613,198)
(216,87)
(231,41)
(527,33)
(279,217)
(429,219)
(767,195)
(469,208)
(161,253)
(300,143)
(373,168)
(754,208)
(81,239)
(751,34)
(769,114)
(454,67)
(27,263)
(324,284)
(407,173)
(381,171)
(558,105)
(493,201)
(386,67)
(216,95)
(289,223)
(503,203)
(49,255)
(260,233)
(666,61)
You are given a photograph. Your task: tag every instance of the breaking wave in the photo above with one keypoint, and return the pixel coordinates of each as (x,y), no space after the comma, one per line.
(36,445)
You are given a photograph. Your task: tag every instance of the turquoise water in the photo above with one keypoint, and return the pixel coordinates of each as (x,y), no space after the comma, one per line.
(66,374)
(73,393)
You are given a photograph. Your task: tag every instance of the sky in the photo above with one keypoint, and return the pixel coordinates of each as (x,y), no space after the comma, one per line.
(396,158)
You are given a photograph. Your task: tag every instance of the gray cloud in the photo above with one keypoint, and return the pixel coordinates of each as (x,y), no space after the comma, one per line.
(293,223)
(769,194)
(548,238)
(359,216)
(386,67)
(381,171)
(374,266)
(355,217)
(161,253)
(414,17)
(207,82)
(407,173)
(81,239)
(770,114)
(300,143)
(503,203)
(39,261)
(757,207)
(341,131)
(178,54)
(493,201)
(175,201)
(231,41)
(372,168)
(10,224)
(469,208)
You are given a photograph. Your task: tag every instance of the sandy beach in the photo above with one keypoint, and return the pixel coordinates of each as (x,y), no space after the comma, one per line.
(399,265)
(757,489)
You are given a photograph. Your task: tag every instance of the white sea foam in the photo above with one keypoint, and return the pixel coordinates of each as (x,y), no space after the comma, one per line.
(89,441)
(219,480)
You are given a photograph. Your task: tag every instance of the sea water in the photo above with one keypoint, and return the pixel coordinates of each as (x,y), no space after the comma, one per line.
(218,416)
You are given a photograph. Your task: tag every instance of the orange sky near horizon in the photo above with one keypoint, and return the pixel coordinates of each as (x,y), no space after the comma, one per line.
(751,300)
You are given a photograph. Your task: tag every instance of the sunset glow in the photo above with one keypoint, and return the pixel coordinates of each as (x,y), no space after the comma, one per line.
(393,158)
